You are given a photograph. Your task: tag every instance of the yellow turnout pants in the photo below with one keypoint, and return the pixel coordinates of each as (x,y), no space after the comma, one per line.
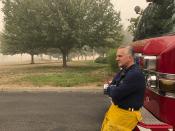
(117,119)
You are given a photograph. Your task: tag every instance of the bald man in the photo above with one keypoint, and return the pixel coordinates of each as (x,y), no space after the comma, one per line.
(127,93)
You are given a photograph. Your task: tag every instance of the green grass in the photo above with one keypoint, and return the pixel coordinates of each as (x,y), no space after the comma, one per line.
(65,79)
(76,74)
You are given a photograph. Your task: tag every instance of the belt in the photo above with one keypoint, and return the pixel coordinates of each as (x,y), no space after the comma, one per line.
(129,109)
(133,109)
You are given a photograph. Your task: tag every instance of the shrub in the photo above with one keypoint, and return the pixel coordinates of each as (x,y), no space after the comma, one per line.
(102,60)
(111,56)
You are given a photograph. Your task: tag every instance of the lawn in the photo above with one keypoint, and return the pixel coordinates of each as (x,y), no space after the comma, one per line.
(53,74)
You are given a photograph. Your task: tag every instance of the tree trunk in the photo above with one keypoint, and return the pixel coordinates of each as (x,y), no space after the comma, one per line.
(85,57)
(65,53)
(50,57)
(64,59)
(32,58)
(41,57)
(103,55)
(93,55)
(21,57)
(78,57)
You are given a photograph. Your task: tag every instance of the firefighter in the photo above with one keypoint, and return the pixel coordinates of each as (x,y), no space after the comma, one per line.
(126,92)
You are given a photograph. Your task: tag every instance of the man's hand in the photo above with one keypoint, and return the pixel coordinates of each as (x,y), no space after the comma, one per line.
(109,82)
(106,86)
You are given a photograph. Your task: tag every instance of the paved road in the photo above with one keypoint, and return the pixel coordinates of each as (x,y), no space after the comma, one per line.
(52,111)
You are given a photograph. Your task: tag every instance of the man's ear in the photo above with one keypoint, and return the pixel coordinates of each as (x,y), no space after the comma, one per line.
(130,57)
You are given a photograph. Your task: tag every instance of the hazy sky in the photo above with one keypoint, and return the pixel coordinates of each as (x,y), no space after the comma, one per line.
(126,7)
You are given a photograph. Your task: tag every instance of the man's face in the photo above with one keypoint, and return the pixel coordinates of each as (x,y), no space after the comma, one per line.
(122,57)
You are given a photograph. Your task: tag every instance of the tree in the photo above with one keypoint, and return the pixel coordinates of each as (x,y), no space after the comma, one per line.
(133,25)
(76,23)
(23,32)
(127,36)
(157,19)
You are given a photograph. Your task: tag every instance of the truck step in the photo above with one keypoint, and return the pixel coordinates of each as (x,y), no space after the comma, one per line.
(151,123)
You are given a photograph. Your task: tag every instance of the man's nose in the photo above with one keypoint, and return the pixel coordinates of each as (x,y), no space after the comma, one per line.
(116,59)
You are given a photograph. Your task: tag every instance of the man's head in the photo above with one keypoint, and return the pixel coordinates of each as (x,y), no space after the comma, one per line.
(125,56)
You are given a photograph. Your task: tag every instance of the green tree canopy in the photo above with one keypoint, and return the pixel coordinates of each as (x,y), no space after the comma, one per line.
(23,28)
(133,25)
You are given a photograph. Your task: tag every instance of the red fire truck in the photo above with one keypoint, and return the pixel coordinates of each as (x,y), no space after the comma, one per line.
(156,56)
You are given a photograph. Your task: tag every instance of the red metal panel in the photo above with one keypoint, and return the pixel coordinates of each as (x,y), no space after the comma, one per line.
(162,107)
(154,47)
(166,61)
